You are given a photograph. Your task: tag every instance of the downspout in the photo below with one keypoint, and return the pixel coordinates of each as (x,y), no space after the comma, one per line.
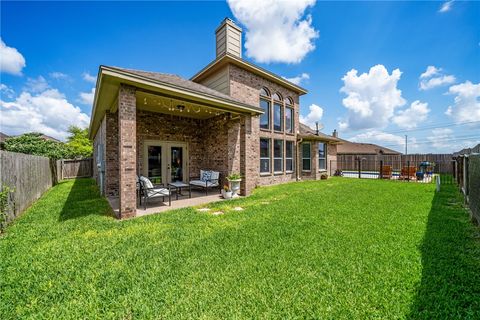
(297,162)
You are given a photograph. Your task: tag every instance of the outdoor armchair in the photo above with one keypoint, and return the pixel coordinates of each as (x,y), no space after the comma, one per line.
(207,179)
(149,191)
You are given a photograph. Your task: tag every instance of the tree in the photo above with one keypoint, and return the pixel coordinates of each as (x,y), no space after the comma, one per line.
(78,142)
(34,143)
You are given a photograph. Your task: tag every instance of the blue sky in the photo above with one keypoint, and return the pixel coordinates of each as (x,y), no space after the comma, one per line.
(389,44)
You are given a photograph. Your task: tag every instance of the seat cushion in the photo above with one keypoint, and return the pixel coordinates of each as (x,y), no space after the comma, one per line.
(215,175)
(205,175)
(201,183)
(158,192)
(146,182)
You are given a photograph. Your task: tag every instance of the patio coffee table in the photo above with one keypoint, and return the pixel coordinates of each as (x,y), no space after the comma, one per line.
(178,185)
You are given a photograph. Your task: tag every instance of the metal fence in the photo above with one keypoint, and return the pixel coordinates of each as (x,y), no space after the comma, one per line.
(408,170)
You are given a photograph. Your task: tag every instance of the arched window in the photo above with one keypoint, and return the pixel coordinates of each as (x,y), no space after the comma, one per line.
(277,96)
(265,104)
(289,115)
(264,92)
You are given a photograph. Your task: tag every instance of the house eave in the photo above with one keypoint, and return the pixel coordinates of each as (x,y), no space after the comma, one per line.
(228,58)
(115,77)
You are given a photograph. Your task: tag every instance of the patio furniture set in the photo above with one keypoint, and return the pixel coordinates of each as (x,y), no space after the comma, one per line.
(425,170)
(147,190)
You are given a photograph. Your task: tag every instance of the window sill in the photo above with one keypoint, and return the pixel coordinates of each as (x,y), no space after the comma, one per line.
(278,173)
(307,171)
(266,130)
(289,172)
(322,170)
(280,132)
(265,174)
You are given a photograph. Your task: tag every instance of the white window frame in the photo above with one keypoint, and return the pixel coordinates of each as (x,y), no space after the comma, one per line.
(309,159)
(324,156)
(292,122)
(266,158)
(278,158)
(282,115)
(289,158)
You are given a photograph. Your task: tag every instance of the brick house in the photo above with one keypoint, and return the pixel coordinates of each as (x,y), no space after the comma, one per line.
(232,116)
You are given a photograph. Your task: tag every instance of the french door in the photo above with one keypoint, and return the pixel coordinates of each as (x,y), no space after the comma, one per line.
(165,161)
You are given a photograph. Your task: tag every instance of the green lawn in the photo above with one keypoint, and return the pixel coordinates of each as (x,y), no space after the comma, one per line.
(338,248)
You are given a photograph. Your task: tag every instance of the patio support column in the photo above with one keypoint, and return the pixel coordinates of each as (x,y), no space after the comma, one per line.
(127,144)
(249,153)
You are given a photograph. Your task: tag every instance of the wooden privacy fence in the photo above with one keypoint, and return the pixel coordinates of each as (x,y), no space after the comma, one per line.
(75,168)
(467,175)
(29,176)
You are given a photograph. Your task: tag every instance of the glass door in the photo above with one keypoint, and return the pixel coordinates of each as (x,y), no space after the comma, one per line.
(176,163)
(154,163)
(165,162)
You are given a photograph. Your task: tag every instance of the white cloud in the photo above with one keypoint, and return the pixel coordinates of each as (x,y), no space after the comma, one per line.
(36,85)
(87,97)
(59,75)
(387,140)
(298,79)
(11,60)
(434,77)
(314,115)
(371,97)
(446,6)
(431,71)
(6,91)
(466,103)
(48,112)
(89,78)
(276,31)
(411,117)
(442,138)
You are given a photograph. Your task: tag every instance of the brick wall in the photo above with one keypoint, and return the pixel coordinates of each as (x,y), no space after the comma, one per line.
(127,150)
(246,86)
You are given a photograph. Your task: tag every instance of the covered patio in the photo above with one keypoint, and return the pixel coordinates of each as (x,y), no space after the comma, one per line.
(158,206)
(167,129)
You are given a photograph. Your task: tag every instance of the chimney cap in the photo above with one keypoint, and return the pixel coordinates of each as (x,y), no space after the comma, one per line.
(230,22)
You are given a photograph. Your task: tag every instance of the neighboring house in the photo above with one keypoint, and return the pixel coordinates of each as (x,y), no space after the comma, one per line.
(348,150)
(232,116)
(3,137)
(465,151)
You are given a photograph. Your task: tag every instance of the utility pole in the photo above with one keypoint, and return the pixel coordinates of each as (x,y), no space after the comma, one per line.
(406,144)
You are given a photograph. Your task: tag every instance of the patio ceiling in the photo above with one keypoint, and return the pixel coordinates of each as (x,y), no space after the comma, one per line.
(174,106)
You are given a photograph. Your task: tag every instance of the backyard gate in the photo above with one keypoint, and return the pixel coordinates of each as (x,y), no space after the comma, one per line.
(75,168)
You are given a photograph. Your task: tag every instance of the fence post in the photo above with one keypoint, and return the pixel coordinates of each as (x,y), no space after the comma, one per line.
(359,168)
(408,170)
(381,169)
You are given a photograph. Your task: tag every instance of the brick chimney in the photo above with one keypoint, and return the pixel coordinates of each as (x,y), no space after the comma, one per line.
(228,39)
(335,133)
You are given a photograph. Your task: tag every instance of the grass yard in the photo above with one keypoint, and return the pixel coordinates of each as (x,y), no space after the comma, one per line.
(340,248)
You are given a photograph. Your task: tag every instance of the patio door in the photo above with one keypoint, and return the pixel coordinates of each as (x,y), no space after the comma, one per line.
(165,161)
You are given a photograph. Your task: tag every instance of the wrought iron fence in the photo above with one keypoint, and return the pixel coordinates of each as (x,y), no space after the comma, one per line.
(410,171)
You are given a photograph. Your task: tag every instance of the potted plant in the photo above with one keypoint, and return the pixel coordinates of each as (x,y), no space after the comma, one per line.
(234,179)
(226,192)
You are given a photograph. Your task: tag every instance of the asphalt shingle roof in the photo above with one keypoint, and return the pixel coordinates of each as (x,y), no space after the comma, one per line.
(178,81)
